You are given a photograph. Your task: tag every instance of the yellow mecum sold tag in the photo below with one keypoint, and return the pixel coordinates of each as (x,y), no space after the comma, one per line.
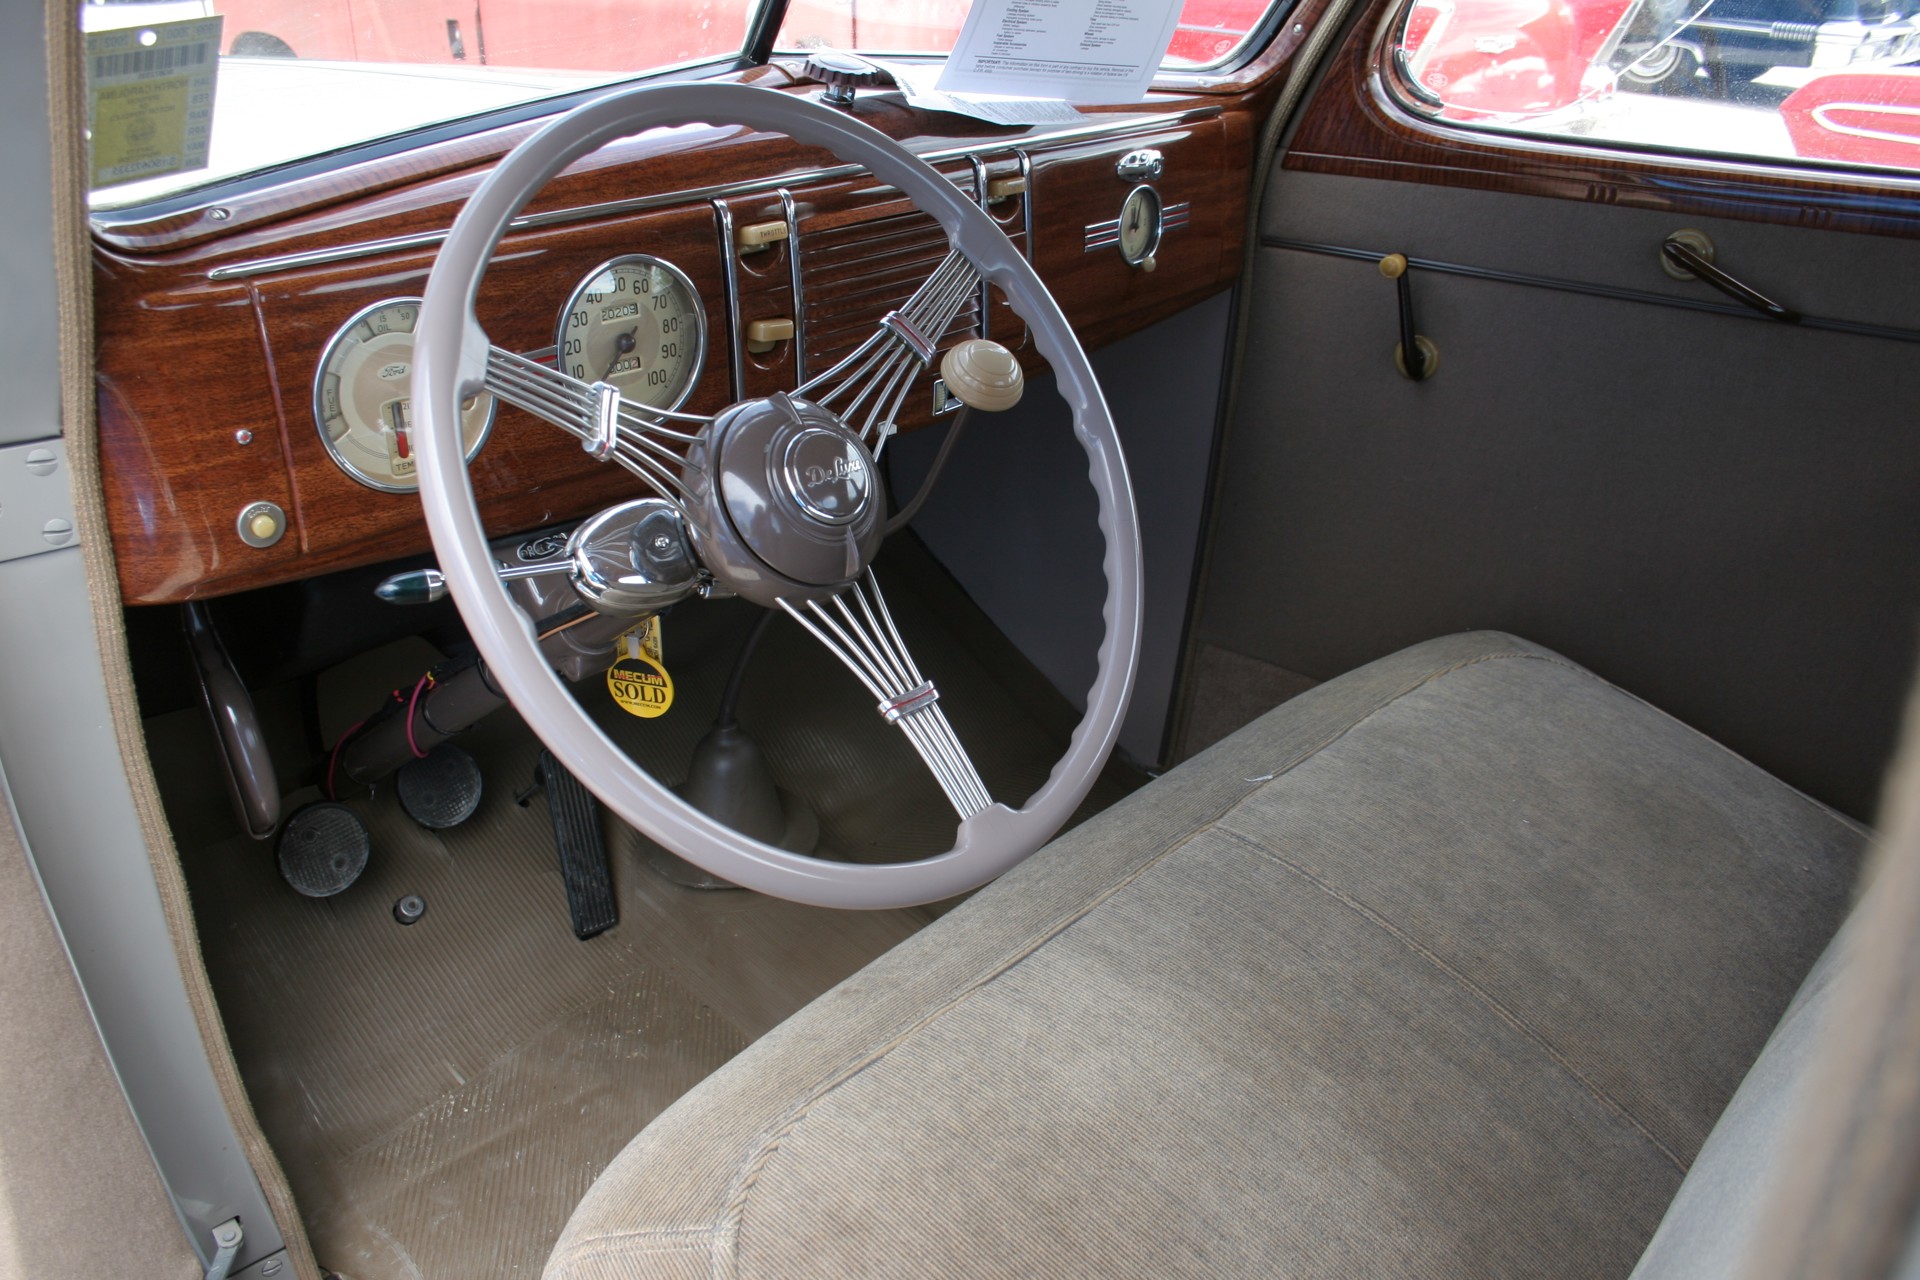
(638,680)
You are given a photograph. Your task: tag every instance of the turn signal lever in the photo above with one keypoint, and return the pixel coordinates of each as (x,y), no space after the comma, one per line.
(629,561)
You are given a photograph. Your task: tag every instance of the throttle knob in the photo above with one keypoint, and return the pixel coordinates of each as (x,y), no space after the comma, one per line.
(984,375)
(842,73)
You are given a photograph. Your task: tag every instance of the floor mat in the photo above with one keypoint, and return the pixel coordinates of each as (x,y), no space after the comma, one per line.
(442,1093)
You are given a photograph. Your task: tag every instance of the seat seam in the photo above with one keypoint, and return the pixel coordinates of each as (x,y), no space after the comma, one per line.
(747,1178)
(1480,994)
(666,1240)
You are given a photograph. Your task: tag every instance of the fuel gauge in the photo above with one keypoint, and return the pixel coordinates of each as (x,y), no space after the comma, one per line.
(361,398)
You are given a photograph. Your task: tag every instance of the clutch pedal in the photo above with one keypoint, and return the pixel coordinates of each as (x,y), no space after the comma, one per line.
(323,848)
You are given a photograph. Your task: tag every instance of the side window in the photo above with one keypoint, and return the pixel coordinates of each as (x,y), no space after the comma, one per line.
(1816,80)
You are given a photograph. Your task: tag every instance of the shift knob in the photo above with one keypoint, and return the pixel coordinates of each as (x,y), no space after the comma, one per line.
(842,73)
(982,374)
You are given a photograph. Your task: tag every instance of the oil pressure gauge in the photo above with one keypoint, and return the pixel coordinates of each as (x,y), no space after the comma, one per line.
(637,323)
(362,398)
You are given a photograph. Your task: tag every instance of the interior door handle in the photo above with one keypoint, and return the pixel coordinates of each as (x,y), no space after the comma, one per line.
(1692,262)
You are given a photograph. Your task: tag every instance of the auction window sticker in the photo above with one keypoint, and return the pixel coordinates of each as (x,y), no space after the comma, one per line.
(150,98)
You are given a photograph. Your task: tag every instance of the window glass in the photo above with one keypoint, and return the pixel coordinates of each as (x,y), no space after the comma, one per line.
(265,82)
(1210,31)
(1820,80)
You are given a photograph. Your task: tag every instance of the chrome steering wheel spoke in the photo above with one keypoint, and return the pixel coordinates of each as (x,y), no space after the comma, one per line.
(862,635)
(870,384)
(649,442)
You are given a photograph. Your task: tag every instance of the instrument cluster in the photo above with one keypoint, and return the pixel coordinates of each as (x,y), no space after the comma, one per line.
(635,322)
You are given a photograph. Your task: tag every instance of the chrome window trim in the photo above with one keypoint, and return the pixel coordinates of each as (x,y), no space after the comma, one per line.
(694,195)
(1692,161)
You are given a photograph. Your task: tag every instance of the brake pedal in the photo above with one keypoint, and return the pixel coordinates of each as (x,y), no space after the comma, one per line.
(583,854)
(440,789)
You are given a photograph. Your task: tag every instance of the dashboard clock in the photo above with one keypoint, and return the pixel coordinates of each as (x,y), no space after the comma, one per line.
(635,322)
(1140,226)
(362,398)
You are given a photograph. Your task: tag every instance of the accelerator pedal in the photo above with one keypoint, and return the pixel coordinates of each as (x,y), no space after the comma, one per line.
(583,854)
(440,789)
(323,849)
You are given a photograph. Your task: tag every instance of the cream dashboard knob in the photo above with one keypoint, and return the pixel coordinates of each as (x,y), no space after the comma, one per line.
(984,375)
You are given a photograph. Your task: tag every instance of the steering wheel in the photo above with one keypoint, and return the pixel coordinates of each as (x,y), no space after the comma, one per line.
(779,499)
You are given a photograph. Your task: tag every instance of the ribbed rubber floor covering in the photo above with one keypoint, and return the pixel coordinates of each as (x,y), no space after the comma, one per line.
(443,1093)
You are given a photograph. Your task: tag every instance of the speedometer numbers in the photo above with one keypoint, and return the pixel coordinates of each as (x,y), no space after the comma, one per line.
(362,398)
(637,323)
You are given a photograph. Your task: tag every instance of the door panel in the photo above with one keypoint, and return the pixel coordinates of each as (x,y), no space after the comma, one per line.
(1715,510)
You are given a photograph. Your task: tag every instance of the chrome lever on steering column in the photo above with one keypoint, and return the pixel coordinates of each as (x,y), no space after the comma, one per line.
(632,559)
(426,586)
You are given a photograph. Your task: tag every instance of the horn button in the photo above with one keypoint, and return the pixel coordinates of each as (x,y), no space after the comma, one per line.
(793,491)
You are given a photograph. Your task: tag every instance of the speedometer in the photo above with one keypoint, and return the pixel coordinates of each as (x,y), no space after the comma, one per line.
(637,323)
(362,398)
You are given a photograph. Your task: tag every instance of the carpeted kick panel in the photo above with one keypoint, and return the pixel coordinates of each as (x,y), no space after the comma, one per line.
(442,1093)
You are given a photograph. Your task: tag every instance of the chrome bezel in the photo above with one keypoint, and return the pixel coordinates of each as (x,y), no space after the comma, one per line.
(699,364)
(334,344)
(1143,191)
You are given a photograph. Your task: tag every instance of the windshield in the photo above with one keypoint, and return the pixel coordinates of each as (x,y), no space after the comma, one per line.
(186,92)
(1209,31)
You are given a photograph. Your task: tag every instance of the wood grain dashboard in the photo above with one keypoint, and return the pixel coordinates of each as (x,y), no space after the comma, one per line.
(211,323)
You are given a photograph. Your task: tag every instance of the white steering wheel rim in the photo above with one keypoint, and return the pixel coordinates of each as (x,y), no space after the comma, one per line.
(449,365)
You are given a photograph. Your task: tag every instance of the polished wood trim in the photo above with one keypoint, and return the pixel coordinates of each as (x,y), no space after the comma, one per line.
(187,362)
(1352,127)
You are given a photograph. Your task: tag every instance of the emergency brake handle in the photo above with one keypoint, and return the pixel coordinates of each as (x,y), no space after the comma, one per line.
(1684,260)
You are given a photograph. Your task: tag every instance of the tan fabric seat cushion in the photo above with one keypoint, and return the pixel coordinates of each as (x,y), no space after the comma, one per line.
(1442,969)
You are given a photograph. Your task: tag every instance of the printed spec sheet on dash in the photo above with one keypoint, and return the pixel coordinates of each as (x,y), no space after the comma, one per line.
(1089,51)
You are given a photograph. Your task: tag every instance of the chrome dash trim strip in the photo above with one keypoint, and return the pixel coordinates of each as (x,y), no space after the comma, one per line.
(729,262)
(693,195)
(1026,201)
(980,198)
(791,211)
(320,257)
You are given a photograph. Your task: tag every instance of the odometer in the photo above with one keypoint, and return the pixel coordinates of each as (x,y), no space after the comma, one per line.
(362,398)
(637,323)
